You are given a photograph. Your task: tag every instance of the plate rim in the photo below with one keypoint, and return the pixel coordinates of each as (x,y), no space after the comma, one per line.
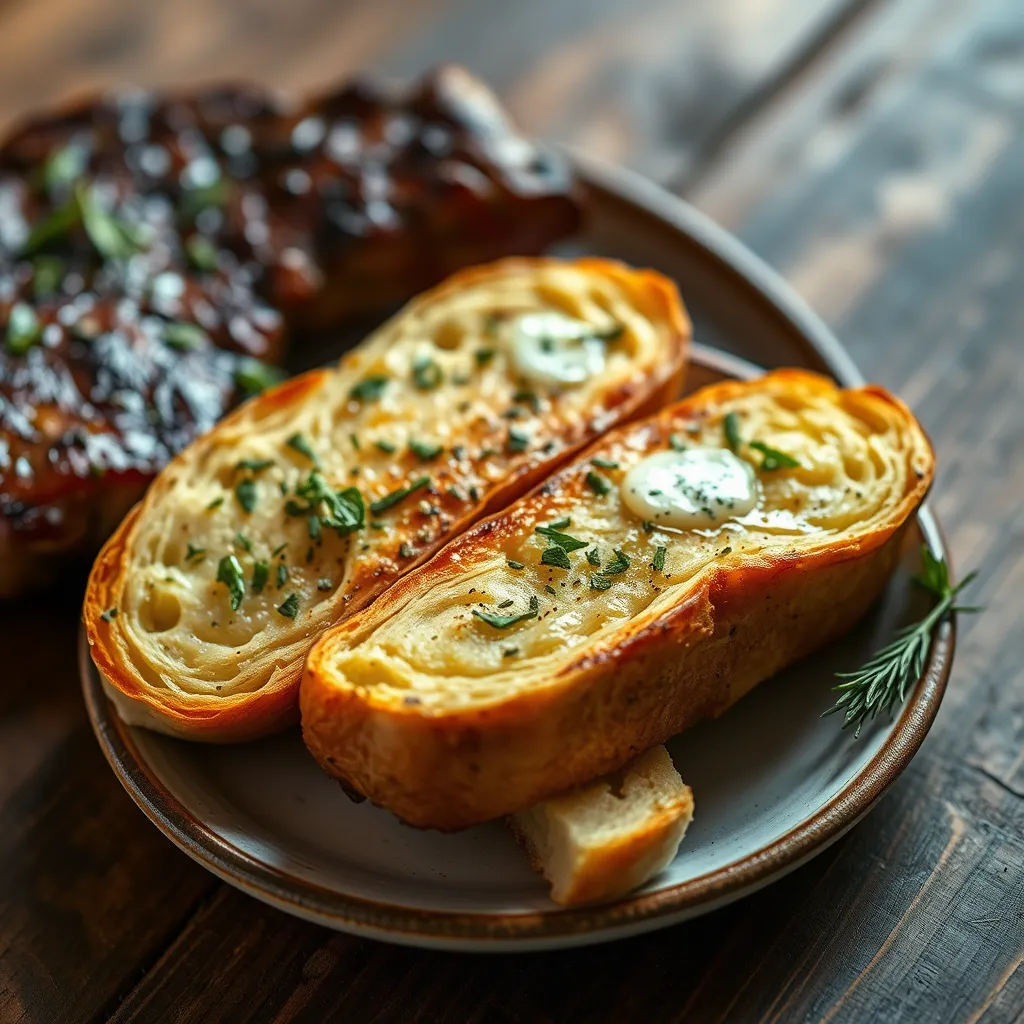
(643,911)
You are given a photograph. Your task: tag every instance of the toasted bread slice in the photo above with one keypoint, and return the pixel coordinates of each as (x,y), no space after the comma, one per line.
(608,837)
(550,643)
(312,499)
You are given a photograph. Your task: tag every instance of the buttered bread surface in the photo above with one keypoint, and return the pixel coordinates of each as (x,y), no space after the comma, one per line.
(312,499)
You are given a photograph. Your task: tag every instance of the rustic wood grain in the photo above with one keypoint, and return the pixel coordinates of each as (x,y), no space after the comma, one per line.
(883,175)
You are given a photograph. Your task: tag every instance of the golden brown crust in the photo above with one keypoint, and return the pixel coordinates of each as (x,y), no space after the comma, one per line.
(241,684)
(577,710)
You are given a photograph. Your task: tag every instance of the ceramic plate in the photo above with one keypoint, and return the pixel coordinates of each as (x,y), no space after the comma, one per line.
(774,783)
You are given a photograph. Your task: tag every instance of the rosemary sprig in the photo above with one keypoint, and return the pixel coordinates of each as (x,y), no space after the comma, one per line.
(883,680)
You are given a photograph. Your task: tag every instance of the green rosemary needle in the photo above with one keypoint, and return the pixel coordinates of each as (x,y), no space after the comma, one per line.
(884,679)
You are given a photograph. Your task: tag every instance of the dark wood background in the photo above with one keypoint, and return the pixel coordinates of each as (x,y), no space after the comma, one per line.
(873,151)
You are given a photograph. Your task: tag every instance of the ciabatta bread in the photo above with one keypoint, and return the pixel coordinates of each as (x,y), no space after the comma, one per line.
(312,499)
(551,643)
(607,838)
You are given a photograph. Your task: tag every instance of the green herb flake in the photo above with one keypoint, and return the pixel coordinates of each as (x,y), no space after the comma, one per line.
(604,463)
(392,499)
(315,529)
(110,236)
(504,621)
(659,558)
(229,572)
(512,564)
(47,274)
(193,552)
(184,337)
(282,575)
(289,608)
(602,580)
(387,447)
(598,484)
(254,377)
(509,652)
(23,329)
(731,427)
(297,442)
(247,494)
(425,450)
(559,539)
(557,557)
(63,167)
(254,465)
(529,398)
(593,557)
(278,550)
(483,356)
(426,374)
(773,459)
(260,575)
(243,542)
(109,615)
(518,440)
(550,589)
(216,503)
(369,389)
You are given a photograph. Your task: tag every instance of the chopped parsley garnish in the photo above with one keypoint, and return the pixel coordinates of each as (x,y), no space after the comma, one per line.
(369,389)
(23,328)
(63,167)
(504,621)
(289,608)
(392,499)
(425,450)
(557,557)
(260,575)
(426,374)
(676,442)
(731,427)
(455,493)
(112,237)
(602,580)
(325,583)
(282,575)
(387,447)
(773,458)
(509,652)
(243,542)
(216,503)
(725,551)
(551,590)
(604,463)
(598,484)
(354,439)
(612,333)
(183,337)
(255,465)
(517,440)
(252,376)
(343,511)
(229,572)
(507,604)
(192,552)
(559,539)
(109,615)
(278,549)
(298,442)
(246,493)
(483,356)
(593,557)
(315,530)
(659,558)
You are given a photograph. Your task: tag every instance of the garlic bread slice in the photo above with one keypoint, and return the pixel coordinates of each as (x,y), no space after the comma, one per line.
(312,499)
(651,583)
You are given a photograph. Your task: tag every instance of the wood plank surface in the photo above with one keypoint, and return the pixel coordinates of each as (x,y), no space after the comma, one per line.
(875,154)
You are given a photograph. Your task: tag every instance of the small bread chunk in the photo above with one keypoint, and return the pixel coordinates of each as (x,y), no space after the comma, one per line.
(608,837)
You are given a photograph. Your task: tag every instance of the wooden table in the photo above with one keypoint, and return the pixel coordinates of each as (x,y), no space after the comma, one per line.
(873,151)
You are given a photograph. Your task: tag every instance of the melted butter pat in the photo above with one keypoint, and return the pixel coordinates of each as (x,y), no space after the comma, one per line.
(552,349)
(692,489)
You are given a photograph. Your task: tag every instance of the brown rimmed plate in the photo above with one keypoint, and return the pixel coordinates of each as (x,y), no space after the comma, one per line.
(774,783)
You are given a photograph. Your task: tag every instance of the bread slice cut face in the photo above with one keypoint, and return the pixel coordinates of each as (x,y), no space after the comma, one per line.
(648,584)
(608,837)
(311,500)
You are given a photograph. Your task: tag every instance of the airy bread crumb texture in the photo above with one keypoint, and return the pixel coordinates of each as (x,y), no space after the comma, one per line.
(605,839)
